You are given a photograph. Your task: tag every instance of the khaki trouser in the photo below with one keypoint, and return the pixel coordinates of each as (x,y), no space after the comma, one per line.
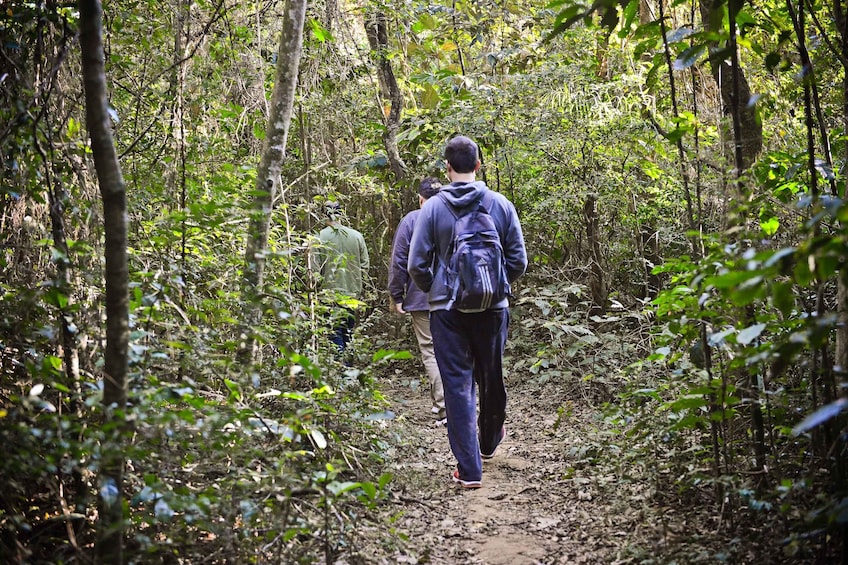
(421,324)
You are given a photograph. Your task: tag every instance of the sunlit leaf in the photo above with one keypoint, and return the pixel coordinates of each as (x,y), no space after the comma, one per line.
(369,489)
(318,438)
(688,58)
(388,355)
(319,32)
(770,226)
(679,34)
(338,488)
(820,416)
(749,334)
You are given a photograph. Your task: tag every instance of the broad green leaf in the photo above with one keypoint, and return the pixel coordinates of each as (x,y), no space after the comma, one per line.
(820,416)
(233,388)
(384,354)
(731,279)
(749,334)
(686,403)
(689,57)
(430,98)
(338,488)
(369,489)
(783,297)
(56,298)
(770,226)
(319,32)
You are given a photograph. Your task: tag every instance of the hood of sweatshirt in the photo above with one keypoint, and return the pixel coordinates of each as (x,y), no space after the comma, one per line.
(461,194)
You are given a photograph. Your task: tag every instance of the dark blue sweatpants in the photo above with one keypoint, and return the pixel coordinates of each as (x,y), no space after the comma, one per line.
(343,329)
(469,350)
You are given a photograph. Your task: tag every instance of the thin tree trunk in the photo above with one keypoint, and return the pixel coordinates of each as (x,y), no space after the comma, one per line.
(178,123)
(597,283)
(841,354)
(109,546)
(270,166)
(378,39)
(178,176)
(684,168)
(742,159)
(70,351)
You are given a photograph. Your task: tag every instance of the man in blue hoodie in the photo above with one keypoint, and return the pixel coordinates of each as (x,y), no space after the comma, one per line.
(469,345)
(409,299)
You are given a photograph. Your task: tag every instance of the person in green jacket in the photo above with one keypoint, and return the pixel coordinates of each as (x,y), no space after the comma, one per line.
(342,262)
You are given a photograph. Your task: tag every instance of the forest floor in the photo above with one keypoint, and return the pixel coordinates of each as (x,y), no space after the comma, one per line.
(532,507)
(558,490)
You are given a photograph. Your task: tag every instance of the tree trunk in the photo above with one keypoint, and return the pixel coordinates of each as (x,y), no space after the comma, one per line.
(270,165)
(750,140)
(597,283)
(378,39)
(56,198)
(109,547)
(841,353)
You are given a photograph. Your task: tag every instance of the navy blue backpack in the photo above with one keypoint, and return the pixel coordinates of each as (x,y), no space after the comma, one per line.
(476,270)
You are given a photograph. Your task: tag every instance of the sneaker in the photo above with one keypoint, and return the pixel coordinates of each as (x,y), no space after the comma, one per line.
(492,454)
(465,484)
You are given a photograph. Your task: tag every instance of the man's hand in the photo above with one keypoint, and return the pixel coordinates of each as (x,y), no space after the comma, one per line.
(398,308)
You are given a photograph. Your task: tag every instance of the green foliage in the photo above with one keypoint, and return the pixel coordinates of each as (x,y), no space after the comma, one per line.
(566,99)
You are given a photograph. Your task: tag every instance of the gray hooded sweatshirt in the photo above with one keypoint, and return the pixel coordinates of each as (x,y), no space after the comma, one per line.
(433,236)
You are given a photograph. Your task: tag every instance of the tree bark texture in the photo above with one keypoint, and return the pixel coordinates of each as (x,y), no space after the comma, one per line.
(378,39)
(70,351)
(109,547)
(841,353)
(751,136)
(271,164)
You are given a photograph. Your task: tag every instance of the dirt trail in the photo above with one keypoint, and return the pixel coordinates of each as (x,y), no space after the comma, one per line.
(533,507)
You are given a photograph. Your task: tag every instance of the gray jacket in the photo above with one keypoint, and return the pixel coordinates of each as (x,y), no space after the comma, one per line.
(401,287)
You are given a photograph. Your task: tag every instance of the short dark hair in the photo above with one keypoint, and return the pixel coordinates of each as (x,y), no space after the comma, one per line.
(429,187)
(462,154)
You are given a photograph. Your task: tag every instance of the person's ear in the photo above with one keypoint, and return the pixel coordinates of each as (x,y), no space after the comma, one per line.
(477,166)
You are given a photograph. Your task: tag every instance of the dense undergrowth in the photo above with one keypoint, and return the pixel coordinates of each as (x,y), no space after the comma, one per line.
(276,467)
(685,307)
(290,464)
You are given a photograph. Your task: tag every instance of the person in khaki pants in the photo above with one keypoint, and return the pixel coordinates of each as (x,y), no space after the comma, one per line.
(408,298)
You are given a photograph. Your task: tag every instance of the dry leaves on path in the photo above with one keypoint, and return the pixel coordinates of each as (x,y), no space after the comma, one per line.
(531,509)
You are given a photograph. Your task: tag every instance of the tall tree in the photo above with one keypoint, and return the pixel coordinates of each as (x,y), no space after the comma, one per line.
(113,193)
(732,83)
(841,52)
(378,38)
(270,165)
